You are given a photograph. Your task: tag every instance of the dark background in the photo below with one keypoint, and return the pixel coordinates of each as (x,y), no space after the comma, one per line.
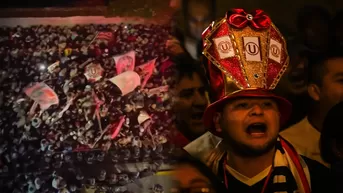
(51,3)
(283,12)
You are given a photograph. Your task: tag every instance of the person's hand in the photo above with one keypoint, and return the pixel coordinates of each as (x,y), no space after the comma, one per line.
(174,46)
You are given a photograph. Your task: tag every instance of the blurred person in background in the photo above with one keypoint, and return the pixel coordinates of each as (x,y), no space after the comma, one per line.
(331,143)
(325,88)
(293,85)
(193,176)
(313,27)
(191,79)
(307,71)
(196,16)
(310,40)
(336,30)
(189,96)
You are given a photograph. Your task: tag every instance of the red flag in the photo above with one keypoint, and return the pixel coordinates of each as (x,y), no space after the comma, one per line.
(165,65)
(117,127)
(145,71)
(105,36)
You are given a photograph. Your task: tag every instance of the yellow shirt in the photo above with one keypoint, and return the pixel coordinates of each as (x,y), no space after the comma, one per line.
(305,139)
(246,180)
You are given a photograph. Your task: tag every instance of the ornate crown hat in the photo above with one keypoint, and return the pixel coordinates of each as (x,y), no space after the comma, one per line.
(247,56)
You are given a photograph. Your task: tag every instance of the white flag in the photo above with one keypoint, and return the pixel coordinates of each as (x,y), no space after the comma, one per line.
(275,50)
(53,66)
(142,117)
(224,47)
(126,81)
(125,62)
(252,49)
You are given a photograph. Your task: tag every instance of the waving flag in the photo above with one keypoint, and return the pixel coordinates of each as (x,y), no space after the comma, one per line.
(104,36)
(145,71)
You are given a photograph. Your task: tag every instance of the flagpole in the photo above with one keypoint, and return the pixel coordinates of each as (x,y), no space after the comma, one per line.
(96,35)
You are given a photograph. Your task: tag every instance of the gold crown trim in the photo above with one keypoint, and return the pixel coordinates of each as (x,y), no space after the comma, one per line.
(262,63)
(265,62)
(285,65)
(208,44)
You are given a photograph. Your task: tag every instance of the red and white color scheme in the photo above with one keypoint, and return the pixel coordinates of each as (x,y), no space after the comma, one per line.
(108,36)
(246,57)
(43,95)
(224,47)
(94,72)
(252,49)
(125,62)
(275,50)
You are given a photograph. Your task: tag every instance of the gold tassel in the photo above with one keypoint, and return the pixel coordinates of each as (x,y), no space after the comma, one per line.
(213,158)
